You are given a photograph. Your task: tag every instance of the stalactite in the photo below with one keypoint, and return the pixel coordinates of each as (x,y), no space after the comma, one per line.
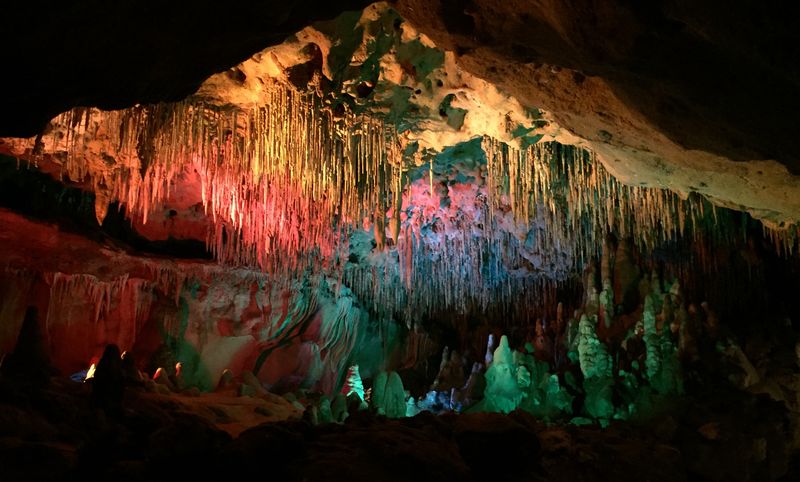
(102,296)
(581,201)
(397,201)
(285,183)
(276,180)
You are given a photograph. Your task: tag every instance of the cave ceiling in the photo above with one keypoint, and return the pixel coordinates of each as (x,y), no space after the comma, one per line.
(691,97)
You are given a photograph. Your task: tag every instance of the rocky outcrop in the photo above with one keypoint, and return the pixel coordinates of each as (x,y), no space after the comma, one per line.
(667,95)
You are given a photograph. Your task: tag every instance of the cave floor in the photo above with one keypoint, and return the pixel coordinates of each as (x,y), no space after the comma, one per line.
(53,433)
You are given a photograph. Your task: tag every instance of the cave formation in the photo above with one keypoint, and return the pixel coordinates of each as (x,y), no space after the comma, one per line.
(400,241)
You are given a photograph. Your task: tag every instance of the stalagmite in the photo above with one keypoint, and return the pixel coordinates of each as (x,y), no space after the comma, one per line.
(653,360)
(593,357)
(353,383)
(451,372)
(489,357)
(388,395)
(503,393)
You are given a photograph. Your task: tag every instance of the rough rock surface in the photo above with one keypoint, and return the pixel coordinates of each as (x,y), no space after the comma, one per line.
(668,95)
(54,434)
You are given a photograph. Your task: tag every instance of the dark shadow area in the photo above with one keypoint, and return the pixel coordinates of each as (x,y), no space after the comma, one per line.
(54,433)
(60,55)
